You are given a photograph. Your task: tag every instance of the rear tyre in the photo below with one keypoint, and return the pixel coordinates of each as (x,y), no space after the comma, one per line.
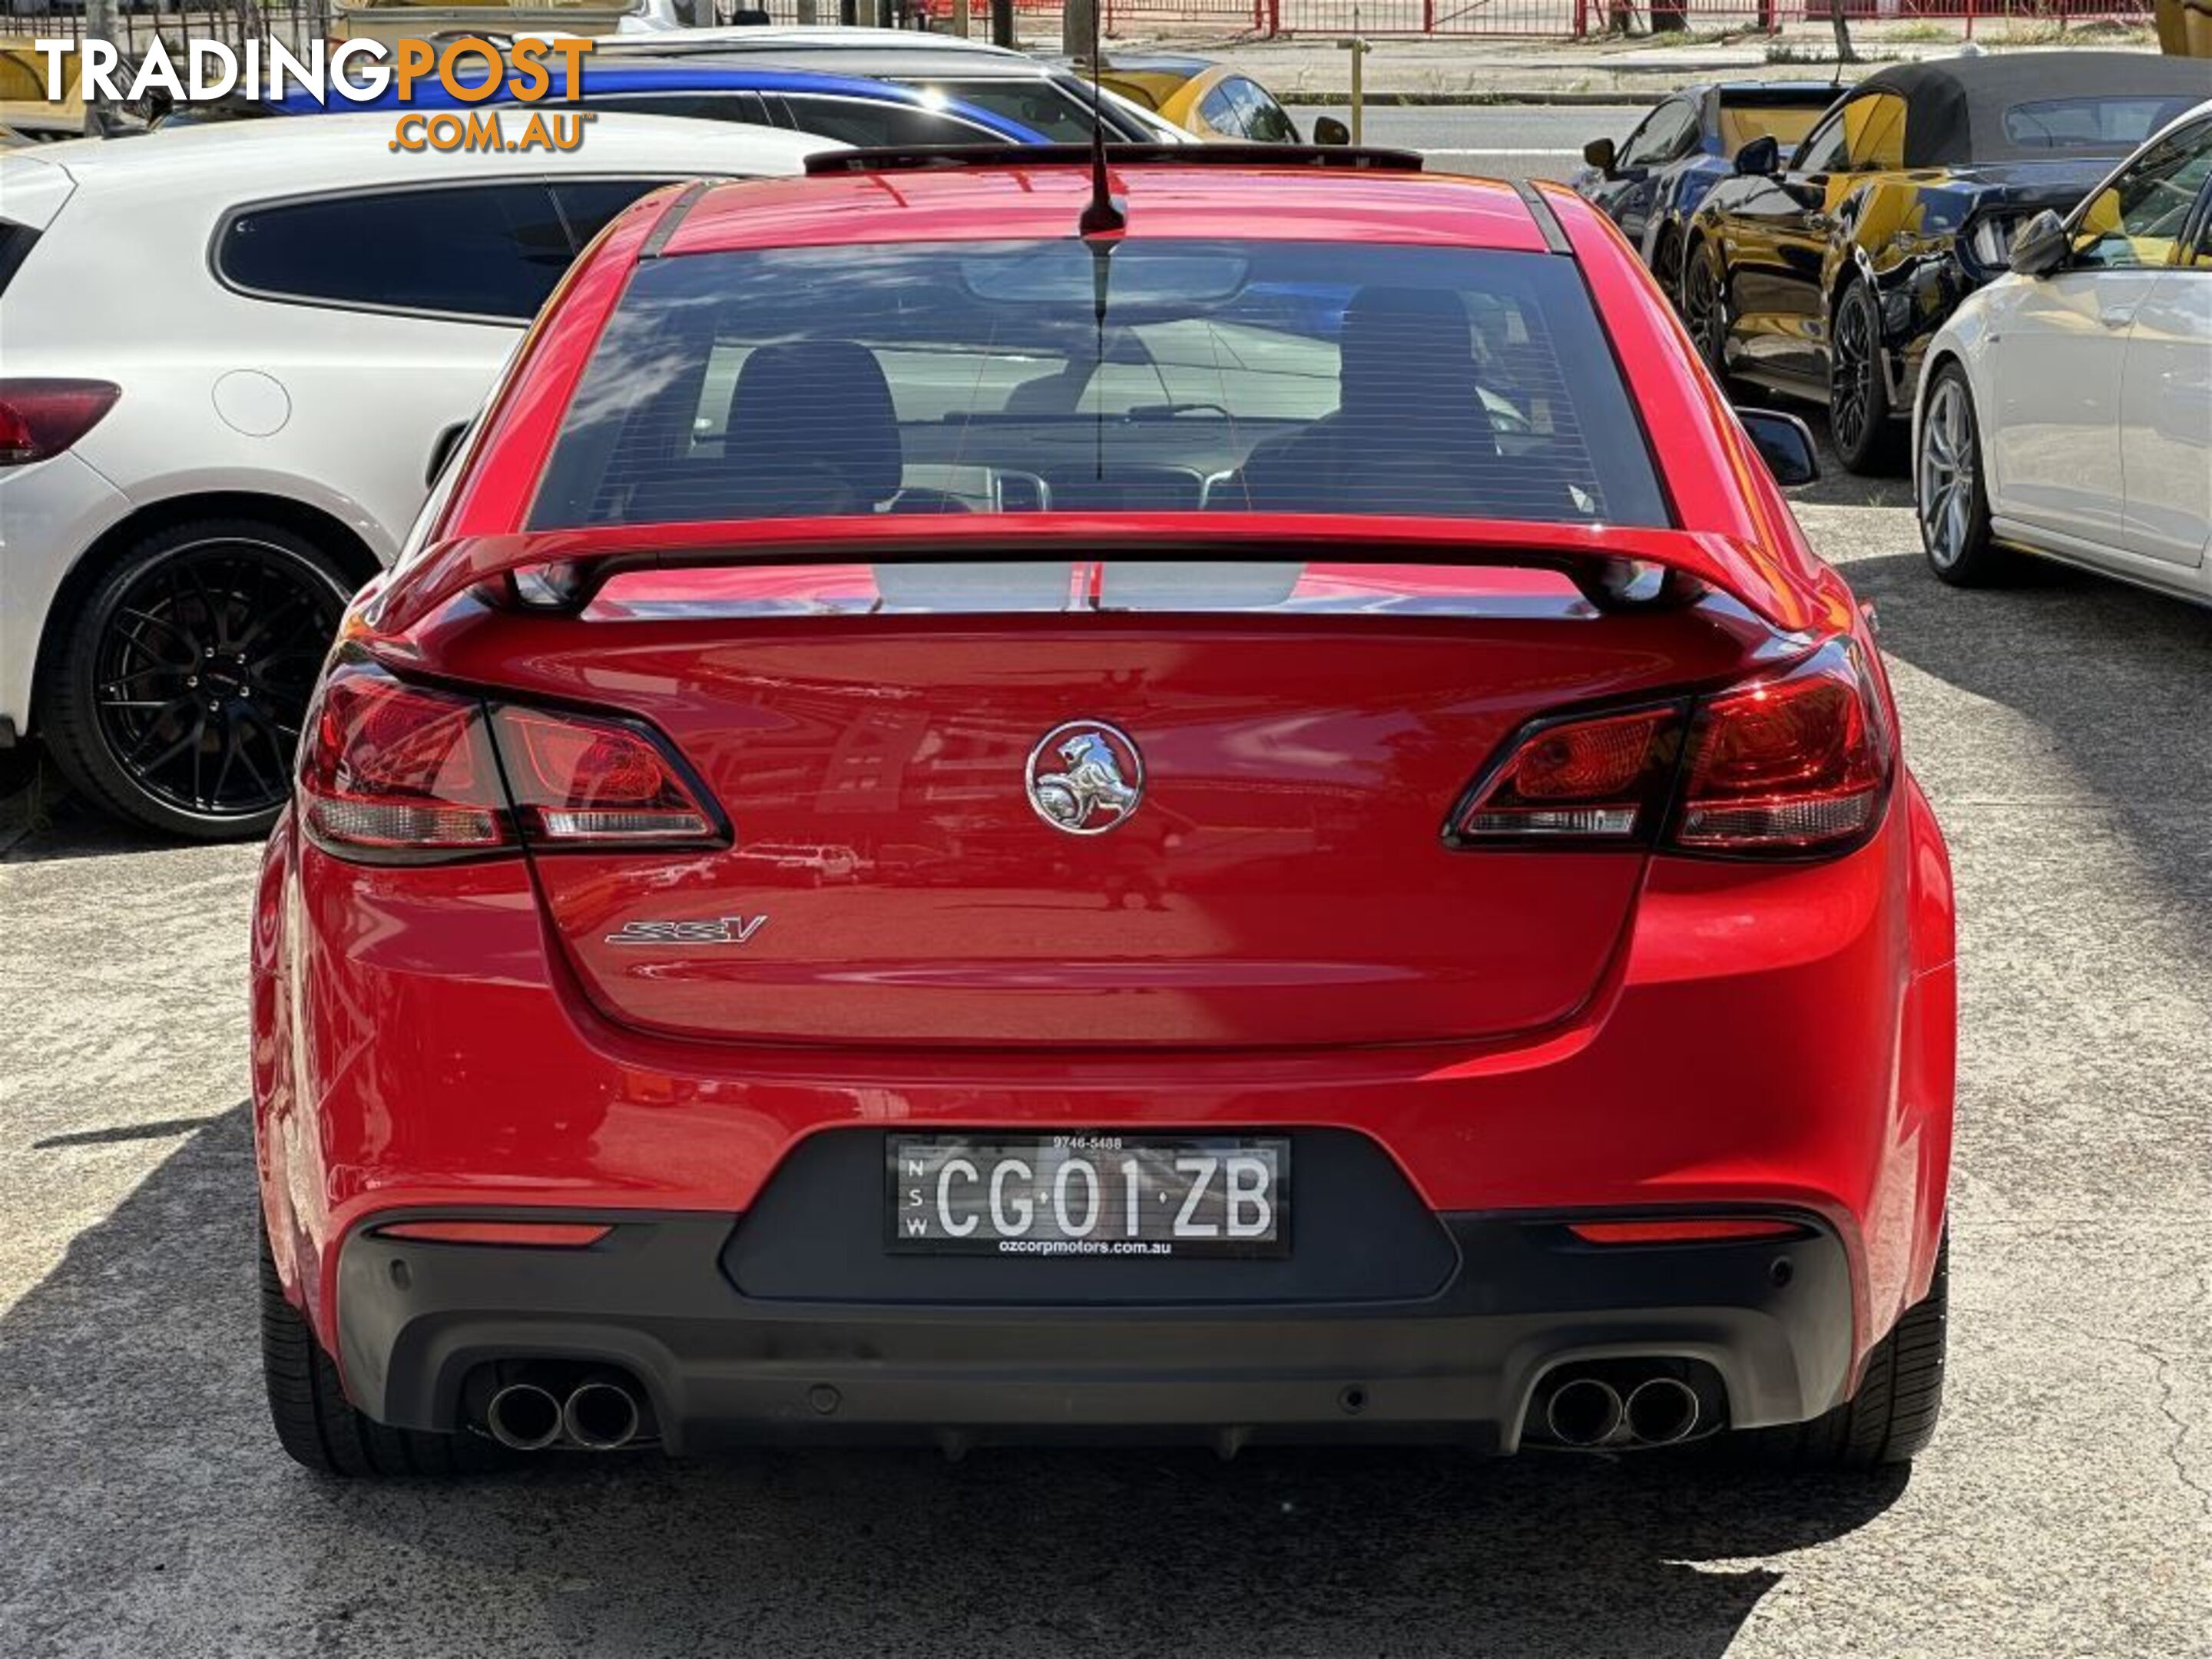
(1949,497)
(1892,1416)
(315,1424)
(174,694)
(1858,389)
(1667,266)
(1705,308)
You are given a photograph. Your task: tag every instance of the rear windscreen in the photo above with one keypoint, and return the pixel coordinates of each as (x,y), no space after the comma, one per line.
(1129,377)
(2110,123)
(15,244)
(1786,124)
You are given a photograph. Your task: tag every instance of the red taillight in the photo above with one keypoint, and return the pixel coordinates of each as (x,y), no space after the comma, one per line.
(576,781)
(1683,1230)
(40,418)
(394,771)
(399,770)
(1597,778)
(1797,763)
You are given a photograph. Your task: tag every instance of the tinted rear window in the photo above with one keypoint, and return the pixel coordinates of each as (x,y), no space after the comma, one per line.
(876,126)
(489,251)
(2090,123)
(15,244)
(1222,376)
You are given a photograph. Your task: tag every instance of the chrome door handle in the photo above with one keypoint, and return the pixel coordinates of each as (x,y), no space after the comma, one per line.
(2116,319)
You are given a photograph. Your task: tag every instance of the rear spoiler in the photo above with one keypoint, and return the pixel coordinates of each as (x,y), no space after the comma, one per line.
(560,570)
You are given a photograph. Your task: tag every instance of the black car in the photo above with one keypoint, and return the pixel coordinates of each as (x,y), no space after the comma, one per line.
(1652,180)
(1825,275)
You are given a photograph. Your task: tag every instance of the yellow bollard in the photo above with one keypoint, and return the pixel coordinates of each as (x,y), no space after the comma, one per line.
(1358,46)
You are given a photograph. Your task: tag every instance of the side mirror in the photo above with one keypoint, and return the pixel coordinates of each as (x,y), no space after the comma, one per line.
(1328,130)
(1600,154)
(2042,246)
(1760,159)
(1784,443)
(443,448)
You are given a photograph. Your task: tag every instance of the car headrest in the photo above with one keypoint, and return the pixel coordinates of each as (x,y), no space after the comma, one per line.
(822,403)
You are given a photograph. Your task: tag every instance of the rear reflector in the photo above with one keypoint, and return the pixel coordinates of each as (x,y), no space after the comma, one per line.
(1797,763)
(395,770)
(540,1235)
(577,781)
(41,417)
(1682,1230)
(1598,779)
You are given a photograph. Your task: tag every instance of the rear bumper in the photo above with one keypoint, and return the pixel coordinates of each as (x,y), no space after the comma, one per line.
(1777,1040)
(50,512)
(655,1298)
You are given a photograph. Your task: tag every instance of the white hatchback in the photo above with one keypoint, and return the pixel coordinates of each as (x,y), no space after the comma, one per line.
(2066,409)
(228,356)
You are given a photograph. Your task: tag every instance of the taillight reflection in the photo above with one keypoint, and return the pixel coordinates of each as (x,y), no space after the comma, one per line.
(577,781)
(40,418)
(392,771)
(1600,779)
(1797,763)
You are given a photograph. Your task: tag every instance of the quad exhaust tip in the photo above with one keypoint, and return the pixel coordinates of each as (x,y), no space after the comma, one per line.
(1662,1410)
(523,1417)
(1584,1412)
(600,1415)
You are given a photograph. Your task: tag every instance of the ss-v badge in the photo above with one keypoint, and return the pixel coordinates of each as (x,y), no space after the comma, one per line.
(718,930)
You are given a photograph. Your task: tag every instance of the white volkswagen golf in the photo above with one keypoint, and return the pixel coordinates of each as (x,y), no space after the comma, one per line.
(227,356)
(2066,409)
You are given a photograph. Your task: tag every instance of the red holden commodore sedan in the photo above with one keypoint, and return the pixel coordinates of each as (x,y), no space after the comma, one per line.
(1234,812)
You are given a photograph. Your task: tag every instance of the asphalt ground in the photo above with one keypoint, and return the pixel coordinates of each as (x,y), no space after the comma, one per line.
(1514,140)
(2065,1508)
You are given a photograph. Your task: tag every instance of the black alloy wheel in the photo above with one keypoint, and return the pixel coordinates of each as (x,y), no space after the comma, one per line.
(1667,266)
(1704,312)
(1858,395)
(178,695)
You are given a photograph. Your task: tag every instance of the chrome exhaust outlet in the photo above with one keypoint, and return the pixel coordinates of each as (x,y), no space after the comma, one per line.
(1662,1410)
(1583,1412)
(600,1415)
(523,1417)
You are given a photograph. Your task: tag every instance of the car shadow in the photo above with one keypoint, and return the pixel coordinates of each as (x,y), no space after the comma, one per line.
(134,1391)
(2112,678)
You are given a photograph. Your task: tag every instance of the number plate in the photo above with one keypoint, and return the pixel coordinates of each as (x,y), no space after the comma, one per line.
(1088,1194)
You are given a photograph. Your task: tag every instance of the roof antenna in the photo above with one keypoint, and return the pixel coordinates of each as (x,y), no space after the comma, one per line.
(1101,214)
(1103,221)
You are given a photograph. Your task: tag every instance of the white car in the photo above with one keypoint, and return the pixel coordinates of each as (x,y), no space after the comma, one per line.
(2066,409)
(230,352)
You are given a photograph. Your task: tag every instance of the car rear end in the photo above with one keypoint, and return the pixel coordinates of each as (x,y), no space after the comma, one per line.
(850,892)
(52,502)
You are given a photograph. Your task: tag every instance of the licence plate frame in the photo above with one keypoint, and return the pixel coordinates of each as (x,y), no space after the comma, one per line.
(1239,1179)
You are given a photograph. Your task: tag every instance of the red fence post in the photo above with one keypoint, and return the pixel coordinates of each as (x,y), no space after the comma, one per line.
(1582,22)
(1428,17)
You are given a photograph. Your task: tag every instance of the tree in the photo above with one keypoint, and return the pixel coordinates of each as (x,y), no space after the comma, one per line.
(1844,52)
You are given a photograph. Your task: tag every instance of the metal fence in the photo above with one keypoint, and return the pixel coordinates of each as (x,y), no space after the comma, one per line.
(296,20)
(131,26)
(1583,19)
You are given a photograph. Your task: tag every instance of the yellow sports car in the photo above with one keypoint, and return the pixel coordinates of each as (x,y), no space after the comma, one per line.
(1211,100)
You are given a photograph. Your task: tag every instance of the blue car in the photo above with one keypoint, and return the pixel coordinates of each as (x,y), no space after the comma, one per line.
(1652,180)
(852,111)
